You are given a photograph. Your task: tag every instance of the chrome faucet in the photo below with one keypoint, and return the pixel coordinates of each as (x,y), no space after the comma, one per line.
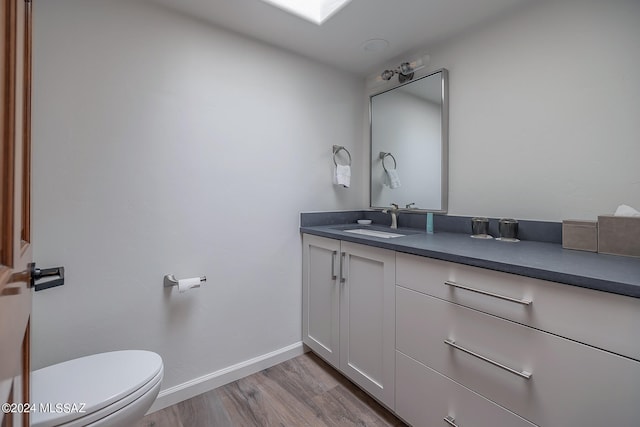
(409,206)
(394,214)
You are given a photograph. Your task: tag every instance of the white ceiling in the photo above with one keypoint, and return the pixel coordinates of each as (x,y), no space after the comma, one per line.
(408,26)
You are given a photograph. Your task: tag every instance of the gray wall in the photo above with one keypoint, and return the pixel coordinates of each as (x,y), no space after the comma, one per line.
(544,111)
(162,145)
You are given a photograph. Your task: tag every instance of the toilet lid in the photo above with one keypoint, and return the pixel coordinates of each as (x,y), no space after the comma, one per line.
(90,383)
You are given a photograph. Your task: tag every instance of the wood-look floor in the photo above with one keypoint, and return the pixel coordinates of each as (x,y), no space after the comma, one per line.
(304,391)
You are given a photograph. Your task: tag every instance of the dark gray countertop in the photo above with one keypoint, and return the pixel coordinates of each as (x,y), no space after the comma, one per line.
(540,260)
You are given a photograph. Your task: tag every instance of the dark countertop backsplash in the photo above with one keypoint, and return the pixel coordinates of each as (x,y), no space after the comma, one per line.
(539,231)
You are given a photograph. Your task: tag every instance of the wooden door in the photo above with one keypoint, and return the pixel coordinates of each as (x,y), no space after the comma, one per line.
(15,248)
(321,297)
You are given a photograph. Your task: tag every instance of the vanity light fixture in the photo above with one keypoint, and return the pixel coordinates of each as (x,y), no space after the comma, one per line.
(405,71)
(316,11)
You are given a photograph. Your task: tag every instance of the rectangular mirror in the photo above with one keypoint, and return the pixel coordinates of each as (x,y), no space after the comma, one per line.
(409,144)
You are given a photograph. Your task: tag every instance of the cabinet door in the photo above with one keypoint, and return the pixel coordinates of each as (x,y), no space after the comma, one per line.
(320,297)
(367,319)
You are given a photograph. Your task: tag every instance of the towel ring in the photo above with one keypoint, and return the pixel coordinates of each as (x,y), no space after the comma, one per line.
(336,150)
(383,156)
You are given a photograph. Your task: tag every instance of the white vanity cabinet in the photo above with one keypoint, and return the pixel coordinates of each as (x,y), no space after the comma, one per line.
(502,344)
(348,311)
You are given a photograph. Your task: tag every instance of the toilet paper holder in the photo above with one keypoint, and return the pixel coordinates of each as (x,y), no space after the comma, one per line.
(170,280)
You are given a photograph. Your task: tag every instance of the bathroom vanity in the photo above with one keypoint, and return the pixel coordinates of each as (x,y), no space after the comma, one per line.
(448,330)
(349,311)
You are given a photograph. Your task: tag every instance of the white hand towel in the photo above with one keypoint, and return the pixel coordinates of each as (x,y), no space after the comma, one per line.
(625,210)
(392,179)
(343,175)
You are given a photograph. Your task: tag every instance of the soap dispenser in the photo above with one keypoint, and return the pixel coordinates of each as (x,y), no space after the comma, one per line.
(429,222)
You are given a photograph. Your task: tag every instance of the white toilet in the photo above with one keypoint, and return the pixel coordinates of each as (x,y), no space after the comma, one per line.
(106,389)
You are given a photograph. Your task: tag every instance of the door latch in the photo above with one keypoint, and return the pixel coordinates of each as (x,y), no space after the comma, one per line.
(38,274)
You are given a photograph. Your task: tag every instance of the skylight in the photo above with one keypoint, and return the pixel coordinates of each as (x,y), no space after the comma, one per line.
(316,11)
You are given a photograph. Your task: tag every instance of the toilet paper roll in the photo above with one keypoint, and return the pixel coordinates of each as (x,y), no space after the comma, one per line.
(185,284)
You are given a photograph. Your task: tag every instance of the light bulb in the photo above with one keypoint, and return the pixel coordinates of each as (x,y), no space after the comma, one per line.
(406,68)
(386,75)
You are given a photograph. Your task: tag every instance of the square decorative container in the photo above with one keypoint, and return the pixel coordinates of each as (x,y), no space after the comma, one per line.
(619,235)
(580,235)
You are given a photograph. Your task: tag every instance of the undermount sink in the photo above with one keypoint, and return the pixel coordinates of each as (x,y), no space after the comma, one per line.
(374,233)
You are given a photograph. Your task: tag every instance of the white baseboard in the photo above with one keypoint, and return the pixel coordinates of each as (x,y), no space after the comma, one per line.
(208,382)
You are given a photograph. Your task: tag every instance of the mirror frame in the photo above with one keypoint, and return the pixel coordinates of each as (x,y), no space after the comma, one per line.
(444,139)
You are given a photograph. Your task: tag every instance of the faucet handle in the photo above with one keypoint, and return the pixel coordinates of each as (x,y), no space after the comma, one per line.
(409,205)
(395,205)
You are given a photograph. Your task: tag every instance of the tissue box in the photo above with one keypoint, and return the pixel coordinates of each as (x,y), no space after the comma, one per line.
(580,235)
(619,235)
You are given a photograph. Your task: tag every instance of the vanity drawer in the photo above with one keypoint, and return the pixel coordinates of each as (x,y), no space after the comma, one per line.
(601,319)
(570,384)
(424,398)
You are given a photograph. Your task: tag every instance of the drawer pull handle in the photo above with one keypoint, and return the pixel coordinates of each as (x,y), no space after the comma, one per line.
(342,278)
(524,374)
(491,294)
(450,420)
(333,265)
